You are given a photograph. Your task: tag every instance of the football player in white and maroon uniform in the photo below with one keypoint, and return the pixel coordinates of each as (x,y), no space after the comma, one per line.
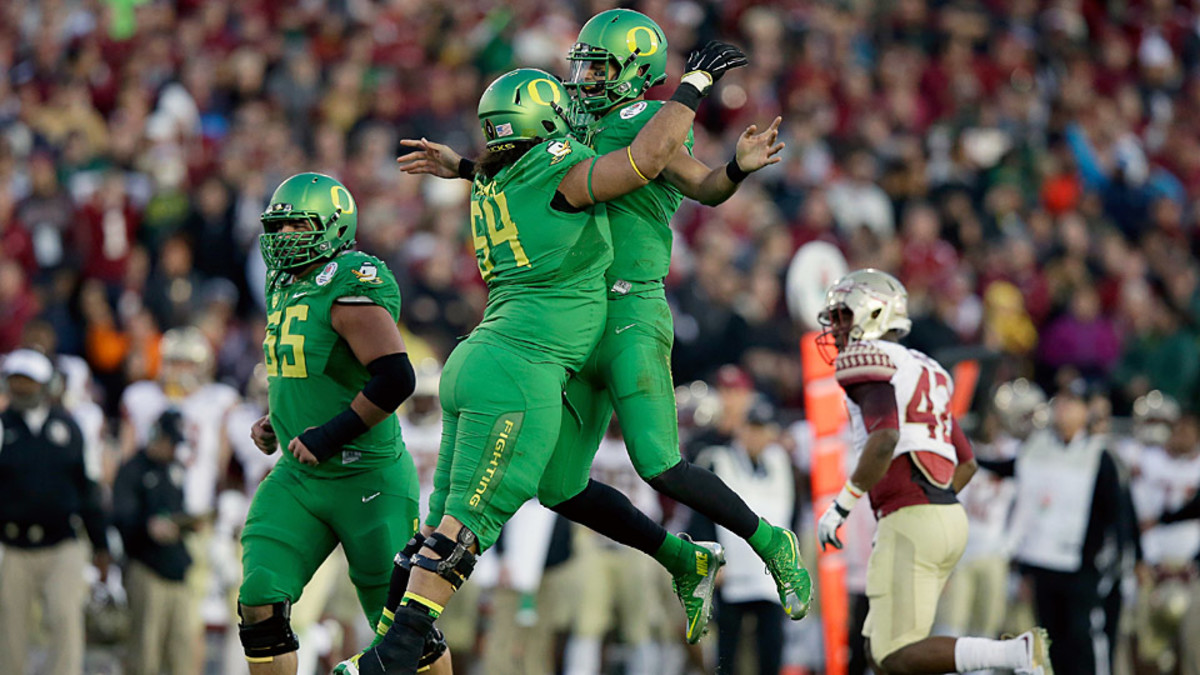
(185,383)
(1168,477)
(914,458)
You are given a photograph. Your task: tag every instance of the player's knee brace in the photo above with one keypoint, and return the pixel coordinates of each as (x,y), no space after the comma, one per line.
(456,563)
(266,639)
(435,646)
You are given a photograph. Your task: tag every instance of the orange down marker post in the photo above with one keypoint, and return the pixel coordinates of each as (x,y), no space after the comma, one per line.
(826,413)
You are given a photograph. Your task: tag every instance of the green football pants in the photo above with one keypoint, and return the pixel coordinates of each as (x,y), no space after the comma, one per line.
(629,371)
(296,520)
(501,414)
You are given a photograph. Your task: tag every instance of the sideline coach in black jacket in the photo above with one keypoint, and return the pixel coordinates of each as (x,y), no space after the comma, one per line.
(45,491)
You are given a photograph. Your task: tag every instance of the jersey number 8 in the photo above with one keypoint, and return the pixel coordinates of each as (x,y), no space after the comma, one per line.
(276,363)
(487,235)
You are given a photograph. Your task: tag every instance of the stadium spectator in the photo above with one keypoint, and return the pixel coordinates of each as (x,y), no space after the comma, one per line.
(47,486)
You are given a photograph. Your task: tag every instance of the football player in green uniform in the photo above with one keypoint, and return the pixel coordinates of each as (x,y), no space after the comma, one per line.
(337,370)
(620,54)
(542,243)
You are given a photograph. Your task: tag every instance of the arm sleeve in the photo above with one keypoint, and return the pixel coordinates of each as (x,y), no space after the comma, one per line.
(1189,511)
(877,400)
(962,446)
(1005,468)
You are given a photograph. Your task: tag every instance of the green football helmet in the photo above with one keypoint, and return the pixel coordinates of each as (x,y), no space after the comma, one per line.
(630,41)
(318,199)
(522,105)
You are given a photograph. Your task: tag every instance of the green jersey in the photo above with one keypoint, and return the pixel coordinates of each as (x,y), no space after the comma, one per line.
(544,267)
(641,220)
(312,375)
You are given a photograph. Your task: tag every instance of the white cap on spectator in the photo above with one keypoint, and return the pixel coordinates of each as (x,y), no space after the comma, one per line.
(31,364)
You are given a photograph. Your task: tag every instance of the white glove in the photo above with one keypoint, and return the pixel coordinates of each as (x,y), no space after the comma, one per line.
(836,514)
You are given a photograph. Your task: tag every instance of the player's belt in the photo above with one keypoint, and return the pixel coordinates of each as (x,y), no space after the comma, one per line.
(622,287)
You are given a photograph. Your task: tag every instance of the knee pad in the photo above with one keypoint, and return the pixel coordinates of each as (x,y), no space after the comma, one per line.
(265,640)
(403,559)
(435,646)
(456,563)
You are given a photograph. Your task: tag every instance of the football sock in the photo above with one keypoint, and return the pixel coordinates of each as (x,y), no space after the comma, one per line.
(405,640)
(708,495)
(674,555)
(606,510)
(396,587)
(762,538)
(972,654)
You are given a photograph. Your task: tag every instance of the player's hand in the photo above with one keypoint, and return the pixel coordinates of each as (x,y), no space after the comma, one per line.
(756,150)
(301,451)
(431,158)
(263,435)
(713,59)
(828,526)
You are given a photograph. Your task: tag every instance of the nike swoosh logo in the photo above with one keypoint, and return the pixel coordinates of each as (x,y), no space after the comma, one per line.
(625,328)
(367,499)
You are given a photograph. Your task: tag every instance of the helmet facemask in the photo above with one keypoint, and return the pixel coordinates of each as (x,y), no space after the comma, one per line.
(295,249)
(597,80)
(839,331)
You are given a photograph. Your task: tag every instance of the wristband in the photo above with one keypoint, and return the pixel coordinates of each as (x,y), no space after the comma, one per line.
(688,94)
(327,440)
(734,172)
(847,498)
(466,168)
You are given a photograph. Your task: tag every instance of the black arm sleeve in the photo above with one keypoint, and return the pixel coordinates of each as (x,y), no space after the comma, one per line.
(1005,468)
(392,381)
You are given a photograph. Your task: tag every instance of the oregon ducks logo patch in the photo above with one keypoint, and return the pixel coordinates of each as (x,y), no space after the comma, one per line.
(326,274)
(368,273)
(560,149)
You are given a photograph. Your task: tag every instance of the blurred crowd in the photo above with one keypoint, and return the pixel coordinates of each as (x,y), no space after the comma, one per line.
(1027,168)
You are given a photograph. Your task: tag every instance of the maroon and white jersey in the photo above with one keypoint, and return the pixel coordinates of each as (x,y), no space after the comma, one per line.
(930,445)
(1166,483)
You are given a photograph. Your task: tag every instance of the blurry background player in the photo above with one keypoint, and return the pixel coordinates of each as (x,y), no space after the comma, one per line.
(337,370)
(185,383)
(618,55)
(1168,477)
(46,486)
(976,597)
(914,459)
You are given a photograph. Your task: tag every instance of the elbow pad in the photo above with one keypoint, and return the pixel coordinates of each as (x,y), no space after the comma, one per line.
(392,381)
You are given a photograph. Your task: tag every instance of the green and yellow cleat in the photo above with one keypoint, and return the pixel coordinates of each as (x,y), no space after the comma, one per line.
(697,586)
(785,564)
